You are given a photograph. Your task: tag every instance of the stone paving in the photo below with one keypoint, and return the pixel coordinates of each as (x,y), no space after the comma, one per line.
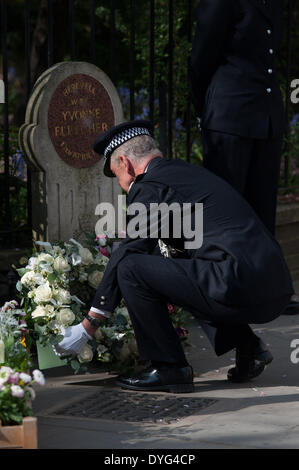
(263,413)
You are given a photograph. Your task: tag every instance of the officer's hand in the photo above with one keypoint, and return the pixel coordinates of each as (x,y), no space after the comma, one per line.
(74,340)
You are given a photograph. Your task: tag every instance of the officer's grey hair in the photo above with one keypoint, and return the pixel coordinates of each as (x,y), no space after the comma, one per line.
(137,149)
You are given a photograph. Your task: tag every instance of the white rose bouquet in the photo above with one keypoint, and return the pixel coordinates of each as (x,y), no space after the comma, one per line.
(57,287)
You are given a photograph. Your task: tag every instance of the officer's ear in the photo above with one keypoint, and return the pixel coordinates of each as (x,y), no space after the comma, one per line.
(126,164)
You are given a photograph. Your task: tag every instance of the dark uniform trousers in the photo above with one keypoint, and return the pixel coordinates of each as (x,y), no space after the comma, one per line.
(237,277)
(252,166)
(236,93)
(149,282)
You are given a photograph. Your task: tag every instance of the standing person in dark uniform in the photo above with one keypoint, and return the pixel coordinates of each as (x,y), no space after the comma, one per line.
(237,97)
(235,277)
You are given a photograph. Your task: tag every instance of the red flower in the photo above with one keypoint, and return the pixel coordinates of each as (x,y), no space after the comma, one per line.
(181,331)
(171,309)
(104,251)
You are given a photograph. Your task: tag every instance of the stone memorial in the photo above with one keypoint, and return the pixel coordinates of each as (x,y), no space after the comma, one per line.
(71,104)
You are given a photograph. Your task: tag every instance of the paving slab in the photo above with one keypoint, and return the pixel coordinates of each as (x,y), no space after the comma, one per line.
(260,414)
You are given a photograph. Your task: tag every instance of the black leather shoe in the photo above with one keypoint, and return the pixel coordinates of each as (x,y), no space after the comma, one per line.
(292,308)
(250,365)
(174,379)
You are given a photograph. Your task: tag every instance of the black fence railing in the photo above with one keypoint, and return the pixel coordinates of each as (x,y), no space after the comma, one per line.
(161,89)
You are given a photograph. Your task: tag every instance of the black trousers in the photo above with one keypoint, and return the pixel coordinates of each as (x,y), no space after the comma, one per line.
(252,166)
(147,283)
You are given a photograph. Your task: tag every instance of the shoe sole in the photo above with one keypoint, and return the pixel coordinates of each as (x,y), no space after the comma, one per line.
(174,388)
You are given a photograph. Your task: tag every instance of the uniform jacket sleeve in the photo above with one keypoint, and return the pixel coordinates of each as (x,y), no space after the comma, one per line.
(108,294)
(214,27)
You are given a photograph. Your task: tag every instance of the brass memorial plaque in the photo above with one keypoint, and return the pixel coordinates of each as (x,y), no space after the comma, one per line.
(79,111)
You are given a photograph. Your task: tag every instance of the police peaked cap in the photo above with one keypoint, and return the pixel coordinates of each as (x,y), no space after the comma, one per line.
(118,135)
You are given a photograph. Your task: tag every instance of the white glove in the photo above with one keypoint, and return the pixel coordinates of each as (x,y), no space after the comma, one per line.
(74,340)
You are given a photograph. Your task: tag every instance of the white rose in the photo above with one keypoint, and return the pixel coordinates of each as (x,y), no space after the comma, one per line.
(56,328)
(43,293)
(26,378)
(61,265)
(39,312)
(39,279)
(124,311)
(86,256)
(133,345)
(103,353)
(5,373)
(32,262)
(85,354)
(104,357)
(124,352)
(65,316)
(98,259)
(95,278)
(57,251)
(45,257)
(50,310)
(101,349)
(109,332)
(17,391)
(28,279)
(98,334)
(62,296)
(83,277)
(38,377)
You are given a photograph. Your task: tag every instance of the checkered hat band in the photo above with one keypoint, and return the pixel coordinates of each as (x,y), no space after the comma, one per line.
(123,136)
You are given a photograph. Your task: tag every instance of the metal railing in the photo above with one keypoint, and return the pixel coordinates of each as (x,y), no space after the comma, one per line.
(160,92)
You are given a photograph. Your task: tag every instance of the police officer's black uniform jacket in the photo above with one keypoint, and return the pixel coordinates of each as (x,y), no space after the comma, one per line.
(232,67)
(239,263)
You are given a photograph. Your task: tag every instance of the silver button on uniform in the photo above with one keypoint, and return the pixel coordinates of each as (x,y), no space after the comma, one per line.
(269,31)
(269,90)
(271,51)
(270,71)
